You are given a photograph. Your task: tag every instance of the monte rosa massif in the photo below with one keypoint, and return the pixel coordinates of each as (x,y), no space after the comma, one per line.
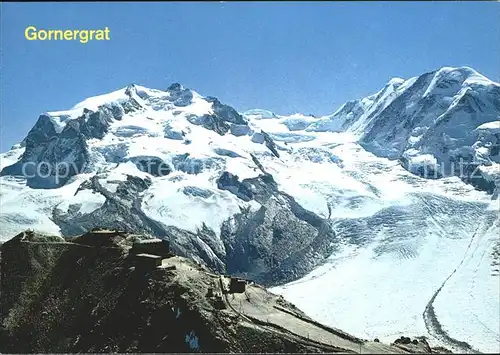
(381,219)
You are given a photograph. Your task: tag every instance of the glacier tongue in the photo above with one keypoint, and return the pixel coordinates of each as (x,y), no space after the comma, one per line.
(366,206)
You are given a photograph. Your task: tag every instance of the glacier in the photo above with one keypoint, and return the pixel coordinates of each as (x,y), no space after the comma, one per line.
(380,219)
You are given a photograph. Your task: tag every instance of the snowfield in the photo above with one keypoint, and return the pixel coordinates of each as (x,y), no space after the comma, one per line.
(381,288)
(405,254)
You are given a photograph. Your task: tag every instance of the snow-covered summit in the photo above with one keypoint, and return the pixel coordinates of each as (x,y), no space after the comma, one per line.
(434,115)
(77,136)
(272,197)
(414,120)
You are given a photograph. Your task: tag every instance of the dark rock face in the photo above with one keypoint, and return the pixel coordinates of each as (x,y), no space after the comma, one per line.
(52,158)
(130,106)
(42,131)
(270,144)
(226,112)
(279,242)
(50,164)
(175,87)
(117,111)
(211,122)
(97,123)
(403,340)
(230,182)
(223,119)
(179,95)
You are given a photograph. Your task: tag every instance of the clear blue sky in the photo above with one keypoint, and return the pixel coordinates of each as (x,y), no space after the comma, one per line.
(286,57)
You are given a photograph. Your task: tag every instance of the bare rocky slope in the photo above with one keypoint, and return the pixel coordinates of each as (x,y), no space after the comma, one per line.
(88,294)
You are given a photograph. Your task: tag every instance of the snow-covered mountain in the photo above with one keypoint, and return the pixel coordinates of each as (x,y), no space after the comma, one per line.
(446,121)
(388,207)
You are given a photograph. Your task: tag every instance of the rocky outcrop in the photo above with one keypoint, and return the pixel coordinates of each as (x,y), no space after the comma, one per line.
(230,182)
(51,158)
(211,122)
(223,119)
(179,95)
(279,242)
(89,295)
(225,112)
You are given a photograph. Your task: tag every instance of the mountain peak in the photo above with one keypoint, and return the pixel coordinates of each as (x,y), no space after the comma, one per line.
(396,81)
(464,70)
(175,87)
(130,88)
(462,76)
